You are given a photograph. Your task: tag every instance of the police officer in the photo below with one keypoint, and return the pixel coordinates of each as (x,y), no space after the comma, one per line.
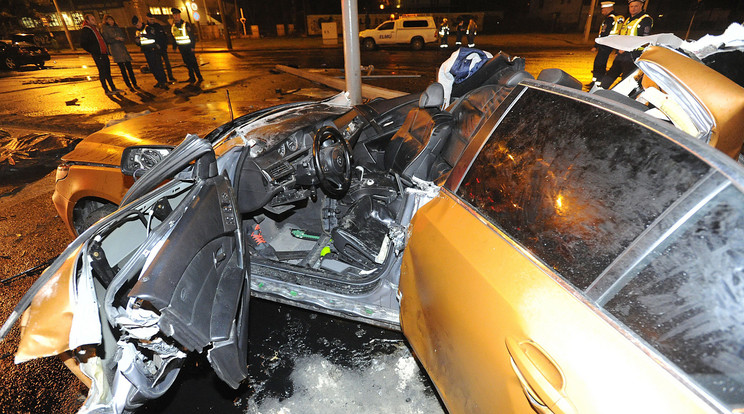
(611,25)
(161,38)
(638,24)
(183,35)
(145,38)
(444,33)
(459,31)
(471,31)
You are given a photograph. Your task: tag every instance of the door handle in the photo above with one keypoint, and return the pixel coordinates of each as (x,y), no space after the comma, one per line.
(541,379)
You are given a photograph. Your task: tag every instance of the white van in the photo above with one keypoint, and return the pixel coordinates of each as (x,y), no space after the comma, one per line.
(413,30)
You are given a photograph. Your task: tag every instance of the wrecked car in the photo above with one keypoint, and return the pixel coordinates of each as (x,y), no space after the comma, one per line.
(541,248)
(89,184)
(19,52)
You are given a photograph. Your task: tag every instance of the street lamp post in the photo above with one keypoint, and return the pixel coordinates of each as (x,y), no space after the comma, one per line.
(224,25)
(64,25)
(588,25)
(352,59)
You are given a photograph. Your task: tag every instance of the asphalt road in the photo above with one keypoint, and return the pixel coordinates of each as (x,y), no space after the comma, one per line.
(67,97)
(300,361)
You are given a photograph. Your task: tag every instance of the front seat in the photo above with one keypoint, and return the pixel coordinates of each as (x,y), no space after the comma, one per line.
(412,149)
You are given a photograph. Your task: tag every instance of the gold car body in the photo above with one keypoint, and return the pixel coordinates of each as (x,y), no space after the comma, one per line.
(92,170)
(487,312)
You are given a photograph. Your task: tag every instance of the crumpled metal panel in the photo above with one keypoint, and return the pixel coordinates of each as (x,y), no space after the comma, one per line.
(45,326)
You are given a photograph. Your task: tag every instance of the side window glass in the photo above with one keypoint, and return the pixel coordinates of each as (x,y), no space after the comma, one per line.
(386,26)
(687,298)
(415,23)
(575,184)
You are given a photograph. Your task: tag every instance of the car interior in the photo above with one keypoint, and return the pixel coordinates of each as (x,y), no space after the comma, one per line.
(344,237)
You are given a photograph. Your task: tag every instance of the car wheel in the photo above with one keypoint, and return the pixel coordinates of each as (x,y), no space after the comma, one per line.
(417,43)
(369,44)
(10,63)
(90,212)
(40,65)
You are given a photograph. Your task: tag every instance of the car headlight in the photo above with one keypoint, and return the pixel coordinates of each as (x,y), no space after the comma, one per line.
(137,160)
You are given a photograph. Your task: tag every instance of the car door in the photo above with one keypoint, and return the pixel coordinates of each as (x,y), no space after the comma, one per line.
(198,278)
(168,274)
(495,274)
(386,33)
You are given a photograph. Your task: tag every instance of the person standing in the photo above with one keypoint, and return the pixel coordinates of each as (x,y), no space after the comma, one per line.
(92,41)
(471,31)
(638,24)
(183,35)
(459,31)
(114,37)
(611,25)
(145,38)
(444,33)
(161,38)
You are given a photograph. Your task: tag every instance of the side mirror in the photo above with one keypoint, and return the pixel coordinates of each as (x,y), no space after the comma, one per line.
(138,159)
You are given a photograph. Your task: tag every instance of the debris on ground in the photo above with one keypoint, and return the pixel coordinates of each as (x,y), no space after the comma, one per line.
(127,116)
(32,155)
(72,102)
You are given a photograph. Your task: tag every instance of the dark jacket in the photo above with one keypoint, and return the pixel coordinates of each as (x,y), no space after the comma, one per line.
(117,48)
(89,41)
(161,36)
(145,38)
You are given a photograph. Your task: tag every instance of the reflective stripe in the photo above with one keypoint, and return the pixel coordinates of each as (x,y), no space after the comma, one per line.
(143,39)
(617,25)
(180,34)
(631,27)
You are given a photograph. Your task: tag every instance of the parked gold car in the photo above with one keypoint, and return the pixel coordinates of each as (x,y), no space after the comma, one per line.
(89,182)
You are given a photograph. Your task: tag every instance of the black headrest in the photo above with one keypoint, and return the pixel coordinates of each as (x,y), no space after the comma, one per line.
(511,78)
(433,96)
(559,77)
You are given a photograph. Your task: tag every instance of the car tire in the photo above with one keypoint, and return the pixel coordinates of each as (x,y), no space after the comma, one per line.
(417,43)
(90,213)
(10,63)
(40,65)
(369,44)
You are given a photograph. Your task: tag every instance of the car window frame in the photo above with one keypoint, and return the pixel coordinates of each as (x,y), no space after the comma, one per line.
(724,172)
(390,22)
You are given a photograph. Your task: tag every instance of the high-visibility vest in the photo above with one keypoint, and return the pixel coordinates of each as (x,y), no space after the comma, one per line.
(630,27)
(180,34)
(143,39)
(617,24)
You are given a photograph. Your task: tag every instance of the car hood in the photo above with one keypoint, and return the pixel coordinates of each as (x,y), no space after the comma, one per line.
(166,127)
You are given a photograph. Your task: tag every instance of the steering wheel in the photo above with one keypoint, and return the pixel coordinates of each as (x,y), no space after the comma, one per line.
(332,159)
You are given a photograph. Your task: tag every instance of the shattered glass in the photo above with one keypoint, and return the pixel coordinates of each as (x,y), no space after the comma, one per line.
(687,299)
(575,184)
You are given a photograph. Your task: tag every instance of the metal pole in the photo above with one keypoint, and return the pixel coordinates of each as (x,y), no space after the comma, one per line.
(697,6)
(588,25)
(64,25)
(224,25)
(237,19)
(352,60)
